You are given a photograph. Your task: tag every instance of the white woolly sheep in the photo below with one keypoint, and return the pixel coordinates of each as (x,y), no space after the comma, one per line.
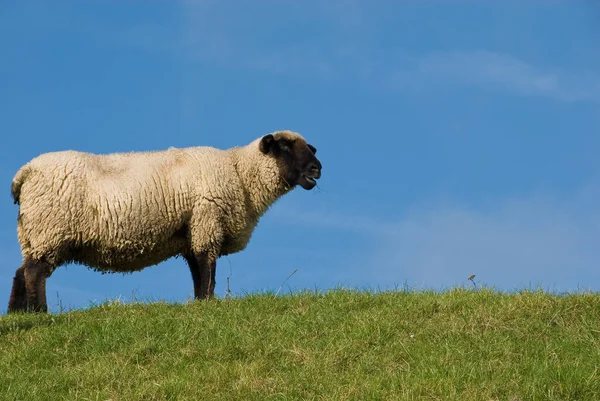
(123,212)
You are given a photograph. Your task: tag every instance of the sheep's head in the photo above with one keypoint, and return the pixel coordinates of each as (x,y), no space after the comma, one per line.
(295,157)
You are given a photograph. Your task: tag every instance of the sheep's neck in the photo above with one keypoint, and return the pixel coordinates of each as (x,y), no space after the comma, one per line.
(261,181)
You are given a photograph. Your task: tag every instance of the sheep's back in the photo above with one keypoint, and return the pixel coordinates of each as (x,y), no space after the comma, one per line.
(118,201)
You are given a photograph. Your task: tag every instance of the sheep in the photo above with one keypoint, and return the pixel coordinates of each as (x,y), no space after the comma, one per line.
(123,212)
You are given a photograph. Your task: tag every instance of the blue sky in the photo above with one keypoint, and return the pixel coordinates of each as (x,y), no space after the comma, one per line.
(457,138)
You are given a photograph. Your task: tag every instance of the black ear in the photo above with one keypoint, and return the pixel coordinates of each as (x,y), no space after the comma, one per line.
(266,143)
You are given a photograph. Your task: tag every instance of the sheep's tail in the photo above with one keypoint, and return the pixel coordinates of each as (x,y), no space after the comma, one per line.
(18,182)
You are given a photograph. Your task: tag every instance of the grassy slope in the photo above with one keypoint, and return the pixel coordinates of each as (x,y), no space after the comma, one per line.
(460,344)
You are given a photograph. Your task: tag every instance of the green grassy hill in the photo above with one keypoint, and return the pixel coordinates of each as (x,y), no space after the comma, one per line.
(340,345)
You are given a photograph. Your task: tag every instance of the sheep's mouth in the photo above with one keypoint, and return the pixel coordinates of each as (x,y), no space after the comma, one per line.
(310,174)
(309,180)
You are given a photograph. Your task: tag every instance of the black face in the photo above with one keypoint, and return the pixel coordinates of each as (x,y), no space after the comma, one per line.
(296,158)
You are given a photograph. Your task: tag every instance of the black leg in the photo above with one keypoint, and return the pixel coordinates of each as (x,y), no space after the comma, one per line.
(18,298)
(203,271)
(196,273)
(213,273)
(36,273)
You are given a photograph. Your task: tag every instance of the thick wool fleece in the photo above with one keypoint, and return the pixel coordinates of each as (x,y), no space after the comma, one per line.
(127,211)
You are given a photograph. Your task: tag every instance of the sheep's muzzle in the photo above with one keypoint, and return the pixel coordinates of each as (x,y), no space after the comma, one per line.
(310,175)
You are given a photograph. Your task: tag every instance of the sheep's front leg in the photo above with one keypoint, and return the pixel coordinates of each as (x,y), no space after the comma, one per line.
(203,268)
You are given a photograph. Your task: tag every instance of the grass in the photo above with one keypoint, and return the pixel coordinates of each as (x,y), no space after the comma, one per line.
(339,345)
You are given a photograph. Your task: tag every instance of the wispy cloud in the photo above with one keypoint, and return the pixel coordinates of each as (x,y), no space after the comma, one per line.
(347,54)
(513,247)
(212,34)
(536,240)
(503,71)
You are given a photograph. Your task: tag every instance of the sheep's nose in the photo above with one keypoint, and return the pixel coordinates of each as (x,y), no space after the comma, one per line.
(315,168)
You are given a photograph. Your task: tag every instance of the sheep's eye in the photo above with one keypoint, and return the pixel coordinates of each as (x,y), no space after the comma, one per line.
(314,150)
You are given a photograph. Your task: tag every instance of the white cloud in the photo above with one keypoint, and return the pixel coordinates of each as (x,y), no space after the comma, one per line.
(346,53)
(512,244)
(485,68)
(508,249)
(234,36)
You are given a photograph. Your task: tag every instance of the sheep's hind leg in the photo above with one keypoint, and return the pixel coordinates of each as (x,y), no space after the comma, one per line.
(35,275)
(203,269)
(18,298)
